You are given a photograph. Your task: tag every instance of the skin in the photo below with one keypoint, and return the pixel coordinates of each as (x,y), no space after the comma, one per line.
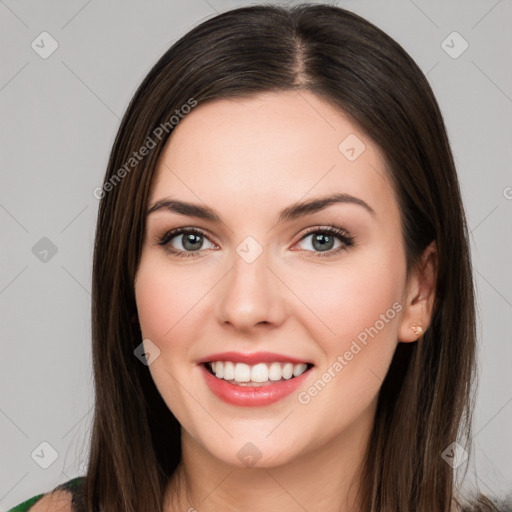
(247,159)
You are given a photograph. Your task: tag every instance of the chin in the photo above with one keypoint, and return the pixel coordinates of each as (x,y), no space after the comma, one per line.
(245,451)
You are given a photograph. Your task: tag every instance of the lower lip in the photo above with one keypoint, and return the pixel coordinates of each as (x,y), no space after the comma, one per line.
(252,396)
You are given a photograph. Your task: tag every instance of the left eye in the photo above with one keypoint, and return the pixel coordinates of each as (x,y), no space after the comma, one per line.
(323,240)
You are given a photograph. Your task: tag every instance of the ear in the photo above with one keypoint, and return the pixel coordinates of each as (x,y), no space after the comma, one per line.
(419,297)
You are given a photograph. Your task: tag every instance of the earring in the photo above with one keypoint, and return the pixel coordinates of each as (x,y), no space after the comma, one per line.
(417,329)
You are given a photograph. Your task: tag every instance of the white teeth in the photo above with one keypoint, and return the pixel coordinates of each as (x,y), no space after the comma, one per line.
(287,371)
(229,370)
(258,373)
(274,372)
(242,372)
(299,369)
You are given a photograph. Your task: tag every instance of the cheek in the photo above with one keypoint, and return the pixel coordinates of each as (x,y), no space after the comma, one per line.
(351,299)
(359,307)
(165,299)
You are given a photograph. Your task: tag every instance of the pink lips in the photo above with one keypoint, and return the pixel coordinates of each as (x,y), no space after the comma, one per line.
(251,396)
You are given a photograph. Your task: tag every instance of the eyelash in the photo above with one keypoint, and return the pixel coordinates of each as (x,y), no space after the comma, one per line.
(330,229)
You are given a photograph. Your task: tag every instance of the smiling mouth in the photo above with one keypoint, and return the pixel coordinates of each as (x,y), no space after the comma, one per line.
(261,374)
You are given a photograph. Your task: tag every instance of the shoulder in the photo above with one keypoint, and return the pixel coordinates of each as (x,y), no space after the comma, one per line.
(62,498)
(54,501)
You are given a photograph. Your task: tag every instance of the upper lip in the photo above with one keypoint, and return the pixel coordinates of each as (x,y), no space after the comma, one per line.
(251,359)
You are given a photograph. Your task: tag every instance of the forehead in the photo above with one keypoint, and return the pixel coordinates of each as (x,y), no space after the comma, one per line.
(268,151)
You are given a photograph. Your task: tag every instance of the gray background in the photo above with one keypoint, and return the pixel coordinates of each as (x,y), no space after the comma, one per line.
(59,119)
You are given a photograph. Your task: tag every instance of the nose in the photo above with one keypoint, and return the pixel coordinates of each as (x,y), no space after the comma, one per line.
(250,295)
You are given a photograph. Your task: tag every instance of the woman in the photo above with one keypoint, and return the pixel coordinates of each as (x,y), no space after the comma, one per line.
(283,306)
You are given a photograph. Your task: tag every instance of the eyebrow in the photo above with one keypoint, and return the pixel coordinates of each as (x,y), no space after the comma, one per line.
(292,212)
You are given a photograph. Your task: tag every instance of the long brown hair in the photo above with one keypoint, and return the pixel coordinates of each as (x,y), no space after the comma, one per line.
(426,400)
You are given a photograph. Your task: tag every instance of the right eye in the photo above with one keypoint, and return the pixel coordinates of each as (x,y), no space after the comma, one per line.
(190,239)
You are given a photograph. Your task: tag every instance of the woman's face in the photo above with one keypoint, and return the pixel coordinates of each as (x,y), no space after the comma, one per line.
(258,281)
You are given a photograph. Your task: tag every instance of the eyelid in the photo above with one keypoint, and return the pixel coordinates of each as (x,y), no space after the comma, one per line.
(168,235)
(330,228)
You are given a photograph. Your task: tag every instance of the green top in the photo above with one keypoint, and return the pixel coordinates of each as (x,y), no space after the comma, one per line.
(73,486)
